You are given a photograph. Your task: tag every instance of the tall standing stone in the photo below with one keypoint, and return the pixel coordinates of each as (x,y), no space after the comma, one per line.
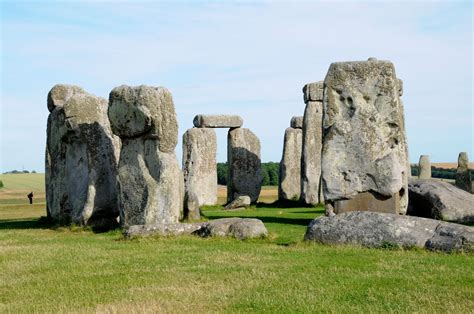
(151,183)
(424,167)
(289,187)
(244,165)
(312,144)
(81,159)
(463,173)
(199,165)
(364,158)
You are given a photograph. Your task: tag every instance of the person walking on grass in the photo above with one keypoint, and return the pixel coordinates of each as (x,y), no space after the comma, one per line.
(30,197)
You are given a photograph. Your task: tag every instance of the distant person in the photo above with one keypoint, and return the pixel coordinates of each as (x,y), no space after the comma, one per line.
(30,197)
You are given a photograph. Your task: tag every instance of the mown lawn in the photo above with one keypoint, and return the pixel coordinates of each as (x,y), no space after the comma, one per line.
(75,270)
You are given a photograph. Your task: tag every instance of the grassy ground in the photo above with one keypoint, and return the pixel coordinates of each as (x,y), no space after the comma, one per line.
(74,270)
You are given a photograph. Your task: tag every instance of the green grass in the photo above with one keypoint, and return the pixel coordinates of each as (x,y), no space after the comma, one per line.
(74,270)
(23,181)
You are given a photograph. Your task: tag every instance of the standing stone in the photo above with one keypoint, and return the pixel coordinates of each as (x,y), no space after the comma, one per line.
(312,144)
(199,165)
(217,121)
(81,159)
(296,122)
(364,147)
(289,187)
(424,167)
(463,173)
(244,165)
(150,179)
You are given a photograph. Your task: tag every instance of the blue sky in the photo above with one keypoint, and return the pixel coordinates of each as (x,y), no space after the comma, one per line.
(248,58)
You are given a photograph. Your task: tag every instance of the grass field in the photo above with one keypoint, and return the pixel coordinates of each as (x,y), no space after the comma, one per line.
(74,270)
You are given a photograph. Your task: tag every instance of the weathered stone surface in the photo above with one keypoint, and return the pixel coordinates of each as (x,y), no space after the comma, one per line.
(364,148)
(81,159)
(313,91)
(244,165)
(463,173)
(217,121)
(199,165)
(239,228)
(289,187)
(151,183)
(242,201)
(296,122)
(311,156)
(440,200)
(367,201)
(191,207)
(424,167)
(373,229)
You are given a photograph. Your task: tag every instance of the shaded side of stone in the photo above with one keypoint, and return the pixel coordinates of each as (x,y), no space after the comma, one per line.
(289,187)
(463,173)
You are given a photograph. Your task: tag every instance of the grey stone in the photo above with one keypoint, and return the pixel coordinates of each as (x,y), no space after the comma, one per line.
(289,187)
(244,165)
(81,159)
(239,228)
(364,143)
(463,173)
(313,91)
(242,201)
(296,122)
(372,229)
(440,200)
(311,155)
(199,165)
(424,167)
(151,183)
(367,201)
(217,121)
(191,206)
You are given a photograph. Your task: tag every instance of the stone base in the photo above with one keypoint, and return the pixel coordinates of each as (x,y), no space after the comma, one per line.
(369,202)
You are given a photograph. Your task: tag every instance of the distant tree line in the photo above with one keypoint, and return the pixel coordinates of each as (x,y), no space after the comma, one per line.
(18,171)
(439,172)
(270,172)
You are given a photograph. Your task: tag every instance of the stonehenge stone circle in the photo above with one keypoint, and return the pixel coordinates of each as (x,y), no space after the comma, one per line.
(217,121)
(81,159)
(312,144)
(151,183)
(424,167)
(296,122)
(372,229)
(199,165)
(463,173)
(440,200)
(364,147)
(289,187)
(244,165)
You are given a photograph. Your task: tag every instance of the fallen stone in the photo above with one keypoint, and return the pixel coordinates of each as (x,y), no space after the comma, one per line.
(245,173)
(199,165)
(217,121)
(440,200)
(463,173)
(81,159)
(372,229)
(242,201)
(151,183)
(364,147)
(313,91)
(239,228)
(296,122)
(289,187)
(424,167)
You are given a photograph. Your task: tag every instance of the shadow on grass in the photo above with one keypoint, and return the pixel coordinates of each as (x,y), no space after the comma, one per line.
(26,223)
(284,204)
(278,220)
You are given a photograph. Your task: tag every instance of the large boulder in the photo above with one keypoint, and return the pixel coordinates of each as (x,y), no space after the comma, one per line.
(151,183)
(312,144)
(81,159)
(424,167)
(244,165)
(199,165)
(289,187)
(373,229)
(440,200)
(217,121)
(463,173)
(240,202)
(239,228)
(364,143)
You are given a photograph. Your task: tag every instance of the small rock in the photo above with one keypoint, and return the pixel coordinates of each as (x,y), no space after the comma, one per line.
(242,201)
